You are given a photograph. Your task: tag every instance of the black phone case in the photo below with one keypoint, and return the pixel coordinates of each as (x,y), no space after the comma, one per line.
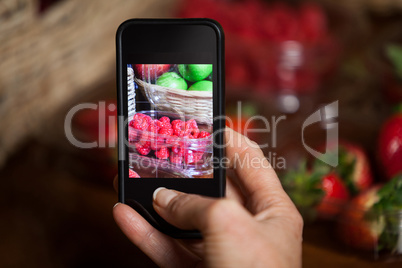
(138,193)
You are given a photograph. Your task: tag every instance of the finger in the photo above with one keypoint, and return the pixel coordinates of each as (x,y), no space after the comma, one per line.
(256,177)
(195,246)
(163,250)
(190,211)
(232,190)
(116,183)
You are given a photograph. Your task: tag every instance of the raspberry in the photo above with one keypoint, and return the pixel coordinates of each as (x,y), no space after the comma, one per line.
(157,142)
(175,158)
(173,140)
(132,135)
(198,155)
(132,174)
(164,122)
(178,150)
(191,129)
(203,134)
(141,121)
(191,156)
(162,153)
(191,124)
(143,148)
(166,131)
(140,115)
(178,128)
(153,126)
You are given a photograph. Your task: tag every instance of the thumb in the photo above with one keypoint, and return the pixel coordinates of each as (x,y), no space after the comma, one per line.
(190,211)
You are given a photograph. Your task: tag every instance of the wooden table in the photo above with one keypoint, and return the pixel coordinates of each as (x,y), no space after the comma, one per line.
(54,217)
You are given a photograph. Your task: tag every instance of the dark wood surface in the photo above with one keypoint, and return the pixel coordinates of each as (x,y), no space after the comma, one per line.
(52,216)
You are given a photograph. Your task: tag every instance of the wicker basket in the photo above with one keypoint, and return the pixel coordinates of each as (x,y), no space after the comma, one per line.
(183,102)
(54,60)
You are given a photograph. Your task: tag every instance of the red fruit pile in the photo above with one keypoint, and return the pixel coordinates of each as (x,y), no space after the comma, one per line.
(165,138)
(254,33)
(132,174)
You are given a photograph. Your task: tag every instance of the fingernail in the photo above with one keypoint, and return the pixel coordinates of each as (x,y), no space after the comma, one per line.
(162,198)
(156,192)
(115,205)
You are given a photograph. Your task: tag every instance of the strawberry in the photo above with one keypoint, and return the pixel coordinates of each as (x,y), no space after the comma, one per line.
(372,219)
(335,196)
(318,187)
(353,167)
(354,157)
(132,174)
(353,228)
(390,144)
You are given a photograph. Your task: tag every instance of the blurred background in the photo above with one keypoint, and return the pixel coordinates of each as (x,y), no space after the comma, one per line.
(283,58)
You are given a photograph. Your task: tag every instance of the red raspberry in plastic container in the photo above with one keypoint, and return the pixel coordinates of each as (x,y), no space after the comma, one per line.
(176,159)
(140,121)
(164,122)
(162,153)
(173,140)
(143,148)
(157,142)
(178,150)
(178,127)
(153,126)
(203,134)
(166,131)
(132,135)
(191,129)
(191,156)
(146,136)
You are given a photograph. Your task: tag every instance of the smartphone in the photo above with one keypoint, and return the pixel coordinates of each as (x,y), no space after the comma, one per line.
(170,87)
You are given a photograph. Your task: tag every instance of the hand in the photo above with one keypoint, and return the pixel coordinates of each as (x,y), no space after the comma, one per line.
(256,225)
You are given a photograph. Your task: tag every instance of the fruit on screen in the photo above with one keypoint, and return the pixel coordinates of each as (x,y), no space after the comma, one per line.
(203,85)
(195,72)
(172,80)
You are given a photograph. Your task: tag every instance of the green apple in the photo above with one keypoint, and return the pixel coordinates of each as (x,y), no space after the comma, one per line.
(195,72)
(172,80)
(203,85)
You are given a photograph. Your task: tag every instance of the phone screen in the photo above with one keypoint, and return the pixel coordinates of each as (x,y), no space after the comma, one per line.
(170,120)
